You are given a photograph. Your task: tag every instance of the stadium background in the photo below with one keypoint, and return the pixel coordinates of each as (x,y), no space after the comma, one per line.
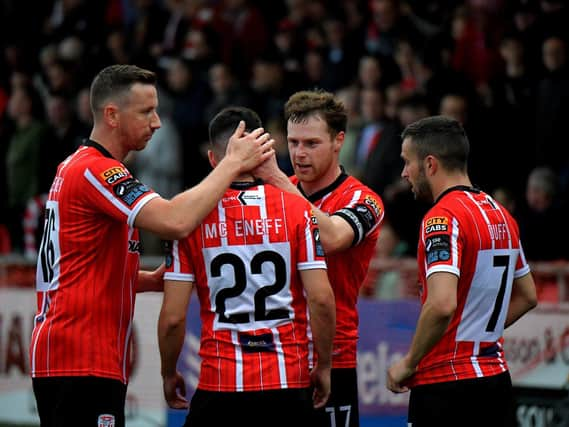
(498,66)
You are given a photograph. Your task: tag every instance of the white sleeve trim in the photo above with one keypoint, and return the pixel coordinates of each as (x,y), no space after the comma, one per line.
(179,277)
(134,212)
(443,269)
(522,271)
(311,265)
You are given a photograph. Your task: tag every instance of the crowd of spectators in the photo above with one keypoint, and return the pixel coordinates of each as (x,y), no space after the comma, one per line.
(497,66)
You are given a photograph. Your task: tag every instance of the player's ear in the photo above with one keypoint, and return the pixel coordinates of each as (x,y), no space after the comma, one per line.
(111,115)
(211,158)
(339,140)
(431,165)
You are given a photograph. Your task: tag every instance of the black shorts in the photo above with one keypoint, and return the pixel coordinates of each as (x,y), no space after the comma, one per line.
(342,407)
(275,408)
(80,401)
(486,402)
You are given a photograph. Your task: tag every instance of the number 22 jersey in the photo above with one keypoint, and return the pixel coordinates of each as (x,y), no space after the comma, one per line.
(244,261)
(467,233)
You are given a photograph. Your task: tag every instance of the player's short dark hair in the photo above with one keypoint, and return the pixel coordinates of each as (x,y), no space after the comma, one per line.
(224,124)
(304,104)
(114,81)
(442,137)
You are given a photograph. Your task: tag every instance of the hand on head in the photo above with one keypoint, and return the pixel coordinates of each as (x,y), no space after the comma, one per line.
(250,149)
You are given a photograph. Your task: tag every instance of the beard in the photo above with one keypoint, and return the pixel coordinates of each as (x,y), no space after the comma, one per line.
(422,189)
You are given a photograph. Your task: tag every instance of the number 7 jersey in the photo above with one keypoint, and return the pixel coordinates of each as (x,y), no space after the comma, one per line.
(244,261)
(468,234)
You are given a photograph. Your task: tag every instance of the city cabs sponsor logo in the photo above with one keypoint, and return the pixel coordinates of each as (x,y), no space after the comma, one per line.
(371,202)
(436,224)
(114,174)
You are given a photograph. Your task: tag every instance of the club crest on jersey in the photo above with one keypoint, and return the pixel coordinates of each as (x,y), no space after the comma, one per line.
(106,420)
(436,224)
(114,174)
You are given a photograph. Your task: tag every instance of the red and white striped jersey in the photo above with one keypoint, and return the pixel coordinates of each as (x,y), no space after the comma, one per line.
(467,233)
(245,260)
(87,268)
(363,210)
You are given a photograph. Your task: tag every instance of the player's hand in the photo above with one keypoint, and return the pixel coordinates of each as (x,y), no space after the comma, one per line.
(249,149)
(397,375)
(268,170)
(175,391)
(320,378)
(151,281)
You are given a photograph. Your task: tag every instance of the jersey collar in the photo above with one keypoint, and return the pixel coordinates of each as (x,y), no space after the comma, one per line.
(245,185)
(457,188)
(321,193)
(97,146)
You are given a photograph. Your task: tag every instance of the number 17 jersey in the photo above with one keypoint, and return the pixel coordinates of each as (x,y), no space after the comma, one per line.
(244,261)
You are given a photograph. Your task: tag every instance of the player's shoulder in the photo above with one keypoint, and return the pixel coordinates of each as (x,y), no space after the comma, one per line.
(353,187)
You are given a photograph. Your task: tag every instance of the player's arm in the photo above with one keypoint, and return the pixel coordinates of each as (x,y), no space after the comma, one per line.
(171,334)
(523,298)
(176,218)
(435,316)
(322,308)
(151,281)
(337,232)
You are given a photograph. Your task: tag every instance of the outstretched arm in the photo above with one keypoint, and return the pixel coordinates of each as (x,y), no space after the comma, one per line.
(176,218)
(336,234)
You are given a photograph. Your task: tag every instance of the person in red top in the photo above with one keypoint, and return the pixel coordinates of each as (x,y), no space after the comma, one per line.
(349,216)
(88,262)
(474,282)
(258,267)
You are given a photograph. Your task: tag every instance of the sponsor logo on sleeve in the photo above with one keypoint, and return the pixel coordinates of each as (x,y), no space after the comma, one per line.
(318,243)
(370,201)
(436,224)
(313,218)
(129,190)
(168,253)
(437,248)
(114,174)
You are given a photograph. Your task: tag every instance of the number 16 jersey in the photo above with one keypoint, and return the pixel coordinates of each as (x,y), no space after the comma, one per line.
(244,261)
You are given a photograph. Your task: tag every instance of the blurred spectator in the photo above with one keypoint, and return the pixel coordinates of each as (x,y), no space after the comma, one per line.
(270,87)
(543,218)
(378,148)
(350,97)
(513,101)
(553,108)
(276,128)
(245,34)
(506,198)
(23,157)
(188,95)
(226,91)
(160,167)
(63,138)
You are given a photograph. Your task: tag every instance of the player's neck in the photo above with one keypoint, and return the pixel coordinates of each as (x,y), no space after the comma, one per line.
(107,141)
(449,181)
(311,187)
